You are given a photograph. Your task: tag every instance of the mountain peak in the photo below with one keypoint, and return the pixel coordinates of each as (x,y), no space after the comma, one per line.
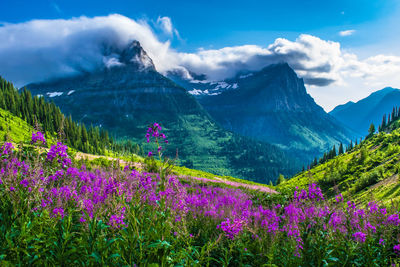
(131,55)
(282,66)
(361,114)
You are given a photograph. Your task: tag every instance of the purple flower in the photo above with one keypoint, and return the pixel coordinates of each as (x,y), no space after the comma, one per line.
(24,182)
(82,219)
(393,219)
(231,229)
(339,198)
(6,149)
(314,193)
(38,137)
(59,152)
(396,248)
(360,237)
(155,131)
(117,220)
(150,154)
(58,212)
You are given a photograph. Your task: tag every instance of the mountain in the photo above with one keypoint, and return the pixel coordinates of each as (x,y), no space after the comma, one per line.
(271,105)
(128,94)
(369,171)
(361,114)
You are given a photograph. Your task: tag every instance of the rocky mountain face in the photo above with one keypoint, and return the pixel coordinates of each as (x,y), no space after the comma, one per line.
(128,94)
(371,109)
(271,105)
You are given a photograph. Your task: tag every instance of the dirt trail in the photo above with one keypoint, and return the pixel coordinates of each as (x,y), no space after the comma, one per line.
(139,166)
(81,155)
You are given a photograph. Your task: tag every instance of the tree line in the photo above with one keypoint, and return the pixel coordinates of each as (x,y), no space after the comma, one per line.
(48,118)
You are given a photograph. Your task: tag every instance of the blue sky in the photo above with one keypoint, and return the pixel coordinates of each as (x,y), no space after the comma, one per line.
(354,43)
(223,23)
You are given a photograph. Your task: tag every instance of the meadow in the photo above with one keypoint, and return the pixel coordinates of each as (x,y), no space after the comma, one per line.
(56,211)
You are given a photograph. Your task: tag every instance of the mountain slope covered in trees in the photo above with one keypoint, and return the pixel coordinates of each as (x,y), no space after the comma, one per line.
(368,171)
(126,99)
(43,115)
(271,105)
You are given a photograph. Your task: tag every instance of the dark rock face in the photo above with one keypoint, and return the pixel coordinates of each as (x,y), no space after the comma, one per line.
(128,95)
(272,105)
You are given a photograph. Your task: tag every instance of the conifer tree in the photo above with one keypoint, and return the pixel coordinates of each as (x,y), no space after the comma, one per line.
(281,179)
(341,151)
(371,130)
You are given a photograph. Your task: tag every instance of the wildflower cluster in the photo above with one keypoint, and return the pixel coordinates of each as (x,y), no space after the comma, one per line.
(314,193)
(154,132)
(231,213)
(59,152)
(6,149)
(38,138)
(231,229)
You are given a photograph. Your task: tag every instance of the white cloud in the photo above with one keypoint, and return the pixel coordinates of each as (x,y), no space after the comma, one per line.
(347,32)
(43,49)
(165,24)
(316,60)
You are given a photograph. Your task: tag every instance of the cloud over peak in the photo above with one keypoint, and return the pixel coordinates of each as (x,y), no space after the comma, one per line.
(41,49)
(165,24)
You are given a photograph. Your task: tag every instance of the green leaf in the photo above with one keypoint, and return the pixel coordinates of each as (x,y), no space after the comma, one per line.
(334,259)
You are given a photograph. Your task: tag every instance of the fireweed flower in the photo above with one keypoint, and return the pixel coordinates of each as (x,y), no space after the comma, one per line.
(117,220)
(38,138)
(393,219)
(58,212)
(24,182)
(154,131)
(360,237)
(59,152)
(339,198)
(6,149)
(373,208)
(396,249)
(94,194)
(231,229)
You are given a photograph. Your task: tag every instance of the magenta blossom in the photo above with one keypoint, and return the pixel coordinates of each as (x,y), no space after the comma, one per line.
(360,237)
(38,138)
(6,149)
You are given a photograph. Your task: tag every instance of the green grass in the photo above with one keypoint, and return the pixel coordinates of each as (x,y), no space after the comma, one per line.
(180,170)
(13,128)
(19,131)
(368,172)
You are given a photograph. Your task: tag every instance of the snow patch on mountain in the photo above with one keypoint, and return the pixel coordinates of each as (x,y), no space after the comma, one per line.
(54,94)
(245,76)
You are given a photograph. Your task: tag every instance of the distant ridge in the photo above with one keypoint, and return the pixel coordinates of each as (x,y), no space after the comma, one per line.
(371,109)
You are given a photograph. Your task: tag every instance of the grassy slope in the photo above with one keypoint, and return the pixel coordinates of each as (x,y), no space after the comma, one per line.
(368,172)
(19,131)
